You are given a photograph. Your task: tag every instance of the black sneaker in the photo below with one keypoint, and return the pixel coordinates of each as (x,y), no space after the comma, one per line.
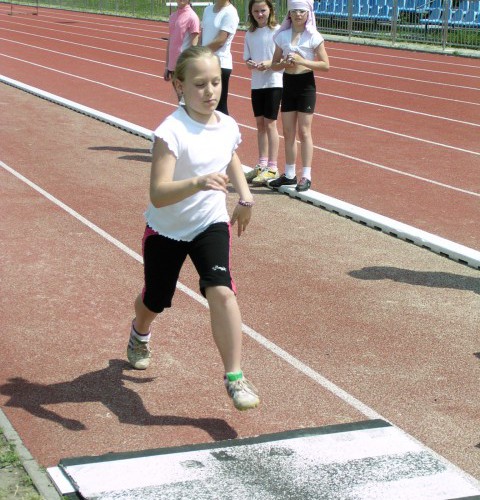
(303,185)
(283,180)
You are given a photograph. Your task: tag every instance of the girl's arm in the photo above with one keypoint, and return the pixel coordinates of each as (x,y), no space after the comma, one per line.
(165,191)
(218,41)
(320,64)
(251,64)
(165,74)
(264,65)
(278,63)
(195,39)
(241,214)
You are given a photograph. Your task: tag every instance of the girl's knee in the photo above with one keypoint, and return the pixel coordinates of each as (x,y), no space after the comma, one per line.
(290,135)
(261,125)
(304,134)
(271,125)
(219,294)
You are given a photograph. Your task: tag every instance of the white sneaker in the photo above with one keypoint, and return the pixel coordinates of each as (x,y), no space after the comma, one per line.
(138,353)
(253,173)
(243,394)
(264,176)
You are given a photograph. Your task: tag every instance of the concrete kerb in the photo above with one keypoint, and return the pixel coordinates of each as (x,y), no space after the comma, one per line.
(38,476)
(441,246)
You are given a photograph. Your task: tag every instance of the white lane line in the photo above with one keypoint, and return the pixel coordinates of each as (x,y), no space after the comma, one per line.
(441,246)
(333,96)
(309,372)
(83,35)
(412,68)
(96,82)
(240,52)
(456,86)
(399,134)
(397,91)
(253,334)
(443,62)
(403,110)
(83,45)
(383,131)
(93,61)
(89,80)
(235,76)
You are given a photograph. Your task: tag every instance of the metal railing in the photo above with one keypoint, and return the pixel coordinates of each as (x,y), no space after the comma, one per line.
(442,23)
(433,22)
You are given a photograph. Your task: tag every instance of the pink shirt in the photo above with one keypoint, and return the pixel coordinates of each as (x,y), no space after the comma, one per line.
(183,25)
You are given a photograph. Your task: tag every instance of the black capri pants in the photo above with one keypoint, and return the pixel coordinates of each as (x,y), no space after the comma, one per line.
(164,257)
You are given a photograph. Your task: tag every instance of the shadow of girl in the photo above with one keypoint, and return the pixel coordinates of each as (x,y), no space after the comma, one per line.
(105,386)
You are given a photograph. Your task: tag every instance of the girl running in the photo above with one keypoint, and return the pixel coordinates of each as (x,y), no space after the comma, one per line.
(193,160)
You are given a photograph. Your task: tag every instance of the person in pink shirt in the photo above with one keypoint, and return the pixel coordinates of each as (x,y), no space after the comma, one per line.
(184,30)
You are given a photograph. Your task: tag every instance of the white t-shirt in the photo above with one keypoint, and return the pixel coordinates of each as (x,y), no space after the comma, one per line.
(259,46)
(225,20)
(306,45)
(200,149)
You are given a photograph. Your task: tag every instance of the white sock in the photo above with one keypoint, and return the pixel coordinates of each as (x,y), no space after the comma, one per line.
(290,171)
(139,336)
(272,166)
(307,173)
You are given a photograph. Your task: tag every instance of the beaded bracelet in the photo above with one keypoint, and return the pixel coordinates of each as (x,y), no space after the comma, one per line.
(245,203)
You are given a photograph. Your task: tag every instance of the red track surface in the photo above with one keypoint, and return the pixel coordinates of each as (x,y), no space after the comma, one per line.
(391,125)
(393,325)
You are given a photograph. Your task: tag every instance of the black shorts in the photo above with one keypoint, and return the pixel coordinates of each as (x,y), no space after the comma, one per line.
(222,103)
(163,259)
(299,93)
(266,102)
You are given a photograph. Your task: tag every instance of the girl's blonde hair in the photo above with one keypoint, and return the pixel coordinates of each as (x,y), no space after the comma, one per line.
(185,58)
(252,24)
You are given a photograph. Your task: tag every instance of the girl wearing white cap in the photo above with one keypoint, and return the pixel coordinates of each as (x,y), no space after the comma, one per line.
(300,51)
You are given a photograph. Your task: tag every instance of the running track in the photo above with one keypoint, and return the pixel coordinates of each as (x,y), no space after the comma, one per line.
(395,132)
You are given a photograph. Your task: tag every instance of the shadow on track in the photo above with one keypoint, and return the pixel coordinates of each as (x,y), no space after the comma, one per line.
(105,386)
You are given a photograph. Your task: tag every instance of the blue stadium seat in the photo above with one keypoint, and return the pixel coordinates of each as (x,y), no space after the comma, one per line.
(381,13)
(341,9)
(456,17)
(364,11)
(321,7)
(471,19)
(385,13)
(474,5)
(435,17)
(409,6)
(330,7)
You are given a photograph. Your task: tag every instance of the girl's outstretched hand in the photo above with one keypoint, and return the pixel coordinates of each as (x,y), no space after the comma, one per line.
(214,182)
(241,215)
(264,65)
